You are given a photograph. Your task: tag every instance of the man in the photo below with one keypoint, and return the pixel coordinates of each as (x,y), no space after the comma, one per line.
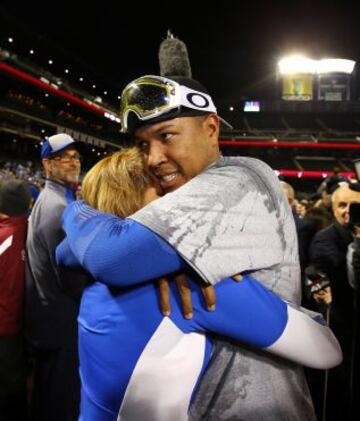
(328,254)
(52,298)
(14,205)
(223,216)
(305,230)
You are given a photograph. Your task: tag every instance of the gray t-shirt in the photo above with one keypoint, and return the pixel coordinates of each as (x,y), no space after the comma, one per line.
(234,218)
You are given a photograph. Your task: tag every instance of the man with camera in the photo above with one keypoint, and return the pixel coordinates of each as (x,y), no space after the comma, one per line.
(328,256)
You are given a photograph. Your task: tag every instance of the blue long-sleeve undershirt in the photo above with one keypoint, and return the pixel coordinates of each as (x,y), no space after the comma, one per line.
(115,251)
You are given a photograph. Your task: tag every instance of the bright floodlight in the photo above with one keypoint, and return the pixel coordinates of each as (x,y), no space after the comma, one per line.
(335,65)
(300,64)
(297,64)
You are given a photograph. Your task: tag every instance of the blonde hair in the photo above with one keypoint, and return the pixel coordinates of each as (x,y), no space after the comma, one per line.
(117,183)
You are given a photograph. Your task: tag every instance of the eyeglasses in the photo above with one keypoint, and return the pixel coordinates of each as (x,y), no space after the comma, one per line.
(66,158)
(152,96)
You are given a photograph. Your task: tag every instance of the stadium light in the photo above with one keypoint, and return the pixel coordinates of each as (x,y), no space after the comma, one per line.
(335,65)
(31,51)
(66,70)
(50,62)
(296,64)
(10,40)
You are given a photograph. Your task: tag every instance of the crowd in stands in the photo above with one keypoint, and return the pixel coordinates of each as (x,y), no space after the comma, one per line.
(11,170)
(23,171)
(26,100)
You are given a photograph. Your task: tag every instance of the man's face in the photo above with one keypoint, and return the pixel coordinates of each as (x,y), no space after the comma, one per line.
(177,150)
(341,203)
(64,167)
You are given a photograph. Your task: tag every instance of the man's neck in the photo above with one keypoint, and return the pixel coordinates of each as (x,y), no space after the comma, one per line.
(63,183)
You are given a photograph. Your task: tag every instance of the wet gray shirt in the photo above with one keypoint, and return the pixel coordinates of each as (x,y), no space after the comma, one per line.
(233,218)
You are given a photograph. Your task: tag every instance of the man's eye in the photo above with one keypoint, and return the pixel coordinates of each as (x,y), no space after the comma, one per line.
(142,145)
(167,136)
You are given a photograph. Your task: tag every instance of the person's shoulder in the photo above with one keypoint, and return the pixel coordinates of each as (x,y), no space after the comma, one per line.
(326,233)
(242,166)
(47,211)
(6,231)
(252,172)
(251,168)
(50,200)
(244,163)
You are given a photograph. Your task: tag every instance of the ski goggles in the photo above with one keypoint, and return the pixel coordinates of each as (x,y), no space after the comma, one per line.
(152,96)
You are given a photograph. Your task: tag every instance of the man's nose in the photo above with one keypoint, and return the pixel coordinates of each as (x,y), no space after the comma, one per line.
(157,154)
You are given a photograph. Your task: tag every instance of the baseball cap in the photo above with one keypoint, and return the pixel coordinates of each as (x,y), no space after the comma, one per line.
(57,143)
(15,198)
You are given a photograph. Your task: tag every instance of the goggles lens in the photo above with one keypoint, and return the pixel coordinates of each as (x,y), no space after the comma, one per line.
(151,96)
(147,98)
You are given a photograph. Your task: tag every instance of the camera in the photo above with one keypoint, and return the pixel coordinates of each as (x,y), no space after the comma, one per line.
(354,212)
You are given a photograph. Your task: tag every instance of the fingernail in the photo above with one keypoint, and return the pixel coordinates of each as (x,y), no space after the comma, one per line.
(188,316)
(166,313)
(212,308)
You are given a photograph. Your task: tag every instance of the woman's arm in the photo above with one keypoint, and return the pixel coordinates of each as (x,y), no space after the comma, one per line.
(250,313)
(115,251)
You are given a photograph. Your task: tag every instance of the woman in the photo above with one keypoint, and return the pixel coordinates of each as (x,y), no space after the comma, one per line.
(135,363)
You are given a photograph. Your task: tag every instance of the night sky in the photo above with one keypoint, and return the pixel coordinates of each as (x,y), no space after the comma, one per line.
(233,48)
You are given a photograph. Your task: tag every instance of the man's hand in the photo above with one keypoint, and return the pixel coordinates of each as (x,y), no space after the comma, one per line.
(164,291)
(185,295)
(184,289)
(323,296)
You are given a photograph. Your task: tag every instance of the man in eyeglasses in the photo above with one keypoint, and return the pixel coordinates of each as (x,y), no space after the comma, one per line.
(223,216)
(52,296)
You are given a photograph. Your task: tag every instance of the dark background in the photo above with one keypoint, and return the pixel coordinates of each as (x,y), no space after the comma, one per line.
(233,46)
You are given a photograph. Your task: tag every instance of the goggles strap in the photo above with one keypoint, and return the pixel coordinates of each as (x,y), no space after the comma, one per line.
(196,100)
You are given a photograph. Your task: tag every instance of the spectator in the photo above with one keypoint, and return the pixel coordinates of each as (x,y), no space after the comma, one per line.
(328,255)
(52,297)
(304,229)
(14,204)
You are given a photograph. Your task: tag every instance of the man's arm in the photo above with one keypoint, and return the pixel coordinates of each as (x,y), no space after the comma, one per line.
(115,251)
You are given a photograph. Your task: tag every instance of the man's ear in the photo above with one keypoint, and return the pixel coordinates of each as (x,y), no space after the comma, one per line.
(47,167)
(212,126)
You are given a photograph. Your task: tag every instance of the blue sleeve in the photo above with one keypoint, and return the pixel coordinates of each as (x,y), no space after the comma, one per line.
(115,251)
(65,256)
(248,312)
(245,311)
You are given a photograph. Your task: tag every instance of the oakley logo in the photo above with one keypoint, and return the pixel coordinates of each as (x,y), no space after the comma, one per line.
(198,100)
